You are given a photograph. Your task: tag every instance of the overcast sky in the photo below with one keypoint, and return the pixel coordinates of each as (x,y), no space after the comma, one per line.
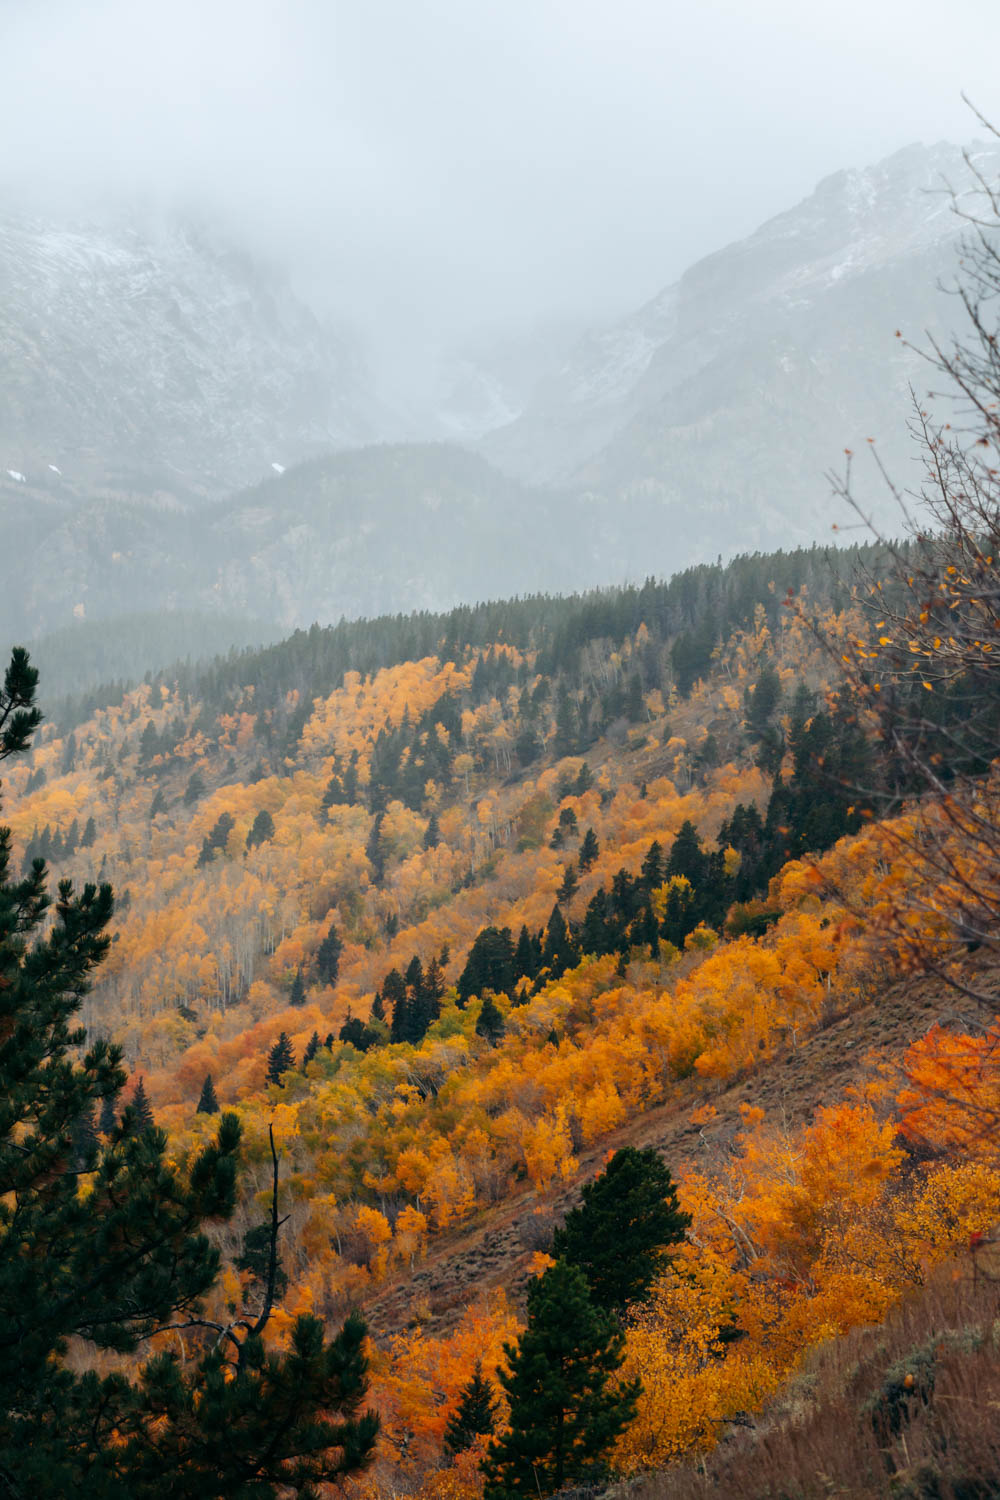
(461,163)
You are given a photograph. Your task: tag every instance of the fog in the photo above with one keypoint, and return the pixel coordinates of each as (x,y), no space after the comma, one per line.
(439,168)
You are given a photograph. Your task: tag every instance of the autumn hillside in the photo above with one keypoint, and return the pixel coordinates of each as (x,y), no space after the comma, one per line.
(459,903)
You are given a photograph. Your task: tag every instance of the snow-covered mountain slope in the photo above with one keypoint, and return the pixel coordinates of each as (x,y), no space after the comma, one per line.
(715,410)
(140,357)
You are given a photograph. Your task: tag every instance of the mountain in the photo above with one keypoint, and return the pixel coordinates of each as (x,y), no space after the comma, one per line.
(140,356)
(383,528)
(711,415)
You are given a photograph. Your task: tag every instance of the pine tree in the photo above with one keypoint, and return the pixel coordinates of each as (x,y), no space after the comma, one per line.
(432,833)
(357,1034)
(394,992)
(208,1104)
(107,1119)
(195,788)
(559,951)
(620,1234)
(589,850)
(524,956)
(567,889)
(217,839)
(114,1265)
(312,1047)
(328,957)
(280,1059)
(687,857)
(652,866)
(475,1415)
(89,836)
(297,994)
(584,780)
(434,988)
(261,829)
(490,965)
(140,1108)
(490,1022)
(565,1413)
(378,1008)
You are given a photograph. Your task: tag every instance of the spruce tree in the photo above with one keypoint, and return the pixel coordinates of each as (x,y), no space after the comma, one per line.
(567,889)
(394,993)
(297,994)
(280,1059)
(261,829)
(107,1119)
(490,1022)
(114,1264)
(475,1415)
(652,866)
(589,849)
(89,835)
(432,833)
(328,957)
(312,1047)
(434,988)
(620,1234)
(208,1104)
(140,1108)
(565,1411)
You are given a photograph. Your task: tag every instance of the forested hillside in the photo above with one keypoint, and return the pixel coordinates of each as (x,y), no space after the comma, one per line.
(458,904)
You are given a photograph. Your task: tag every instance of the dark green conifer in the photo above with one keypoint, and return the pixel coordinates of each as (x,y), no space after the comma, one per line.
(490,1022)
(652,866)
(432,833)
(621,1233)
(297,995)
(107,1119)
(280,1059)
(566,1412)
(434,988)
(89,835)
(567,889)
(139,1111)
(357,1034)
(589,850)
(490,965)
(195,788)
(559,952)
(208,1104)
(584,780)
(524,956)
(261,830)
(312,1047)
(476,1412)
(328,957)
